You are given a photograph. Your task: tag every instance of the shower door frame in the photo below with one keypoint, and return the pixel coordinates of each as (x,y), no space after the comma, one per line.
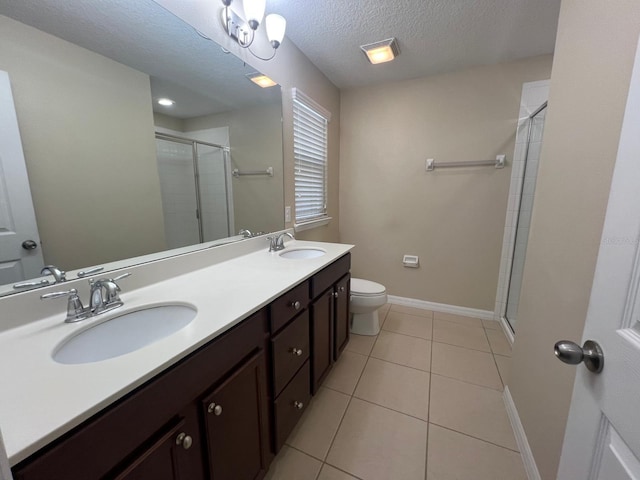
(226,157)
(534,95)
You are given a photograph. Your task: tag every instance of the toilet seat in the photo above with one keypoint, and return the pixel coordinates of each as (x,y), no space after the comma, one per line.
(366,288)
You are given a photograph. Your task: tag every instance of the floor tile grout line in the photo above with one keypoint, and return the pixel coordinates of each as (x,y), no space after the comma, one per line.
(426,453)
(390,409)
(474,437)
(400,364)
(382,329)
(462,346)
(493,356)
(344,414)
(465,381)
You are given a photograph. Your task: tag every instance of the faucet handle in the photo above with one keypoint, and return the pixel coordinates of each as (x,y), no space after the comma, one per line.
(75,309)
(120,277)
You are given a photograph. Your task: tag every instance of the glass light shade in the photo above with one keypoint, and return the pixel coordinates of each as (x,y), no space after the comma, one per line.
(254,11)
(380,55)
(275,25)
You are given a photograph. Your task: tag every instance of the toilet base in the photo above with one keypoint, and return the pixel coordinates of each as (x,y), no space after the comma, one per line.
(365,323)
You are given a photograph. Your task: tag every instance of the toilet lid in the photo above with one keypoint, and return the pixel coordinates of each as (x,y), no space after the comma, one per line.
(366,287)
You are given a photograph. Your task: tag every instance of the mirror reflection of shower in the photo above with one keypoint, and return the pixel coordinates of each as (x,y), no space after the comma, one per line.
(532,157)
(195,186)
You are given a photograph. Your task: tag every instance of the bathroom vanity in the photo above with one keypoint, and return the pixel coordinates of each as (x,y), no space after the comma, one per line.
(217,399)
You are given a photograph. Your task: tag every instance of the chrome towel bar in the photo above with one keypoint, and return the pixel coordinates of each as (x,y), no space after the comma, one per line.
(497,163)
(237,173)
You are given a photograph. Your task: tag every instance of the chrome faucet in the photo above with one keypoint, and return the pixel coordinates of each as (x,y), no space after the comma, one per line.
(245,233)
(58,275)
(276,243)
(103,297)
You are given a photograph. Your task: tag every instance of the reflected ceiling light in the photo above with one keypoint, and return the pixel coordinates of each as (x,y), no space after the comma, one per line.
(261,79)
(380,52)
(166,102)
(243,30)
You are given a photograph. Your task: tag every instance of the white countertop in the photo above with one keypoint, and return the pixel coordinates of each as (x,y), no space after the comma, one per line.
(42,399)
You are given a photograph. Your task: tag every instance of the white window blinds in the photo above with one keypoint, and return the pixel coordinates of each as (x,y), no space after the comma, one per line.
(310,127)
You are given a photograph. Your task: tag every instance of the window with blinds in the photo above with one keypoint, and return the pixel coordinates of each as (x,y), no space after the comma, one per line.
(310,132)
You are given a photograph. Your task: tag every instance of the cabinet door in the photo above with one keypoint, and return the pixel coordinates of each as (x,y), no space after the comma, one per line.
(341,315)
(236,424)
(321,338)
(174,454)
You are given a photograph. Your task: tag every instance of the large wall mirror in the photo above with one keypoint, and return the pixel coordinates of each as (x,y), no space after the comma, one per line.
(113,174)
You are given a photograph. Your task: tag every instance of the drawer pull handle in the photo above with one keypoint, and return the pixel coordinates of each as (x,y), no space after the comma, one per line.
(341,289)
(296,351)
(185,440)
(296,305)
(298,405)
(215,409)
(336,294)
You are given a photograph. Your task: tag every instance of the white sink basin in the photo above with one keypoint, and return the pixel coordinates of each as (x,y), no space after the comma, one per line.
(298,253)
(123,334)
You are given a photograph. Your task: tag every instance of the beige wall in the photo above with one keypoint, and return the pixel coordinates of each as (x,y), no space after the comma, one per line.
(589,84)
(453,219)
(290,68)
(87,132)
(255,135)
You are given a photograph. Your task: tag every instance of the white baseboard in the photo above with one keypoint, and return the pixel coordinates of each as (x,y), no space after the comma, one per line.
(441,307)
(530,466)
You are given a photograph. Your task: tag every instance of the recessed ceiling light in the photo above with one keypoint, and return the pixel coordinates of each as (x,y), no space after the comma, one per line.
(261,79)
(383,51)
(166,102)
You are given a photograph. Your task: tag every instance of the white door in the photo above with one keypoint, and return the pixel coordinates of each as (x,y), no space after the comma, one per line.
(19,259)
(602,440)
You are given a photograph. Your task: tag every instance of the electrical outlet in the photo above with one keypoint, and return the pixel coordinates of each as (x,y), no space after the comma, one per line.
(287,213)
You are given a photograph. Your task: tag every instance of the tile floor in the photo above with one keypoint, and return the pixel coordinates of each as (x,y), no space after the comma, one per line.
(422,400)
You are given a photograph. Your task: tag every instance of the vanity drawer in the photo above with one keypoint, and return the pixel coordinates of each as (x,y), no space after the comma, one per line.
(326,278)
(291,404)
(289,305)
(290,351)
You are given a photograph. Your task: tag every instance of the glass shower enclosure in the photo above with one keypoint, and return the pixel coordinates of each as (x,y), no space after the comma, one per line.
(528,186)
(195,186)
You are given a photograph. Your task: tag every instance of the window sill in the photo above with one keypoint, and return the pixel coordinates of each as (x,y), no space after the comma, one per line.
(318,222)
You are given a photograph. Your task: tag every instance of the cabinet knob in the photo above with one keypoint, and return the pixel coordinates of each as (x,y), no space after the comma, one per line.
(341,289)
(185,440)
(215,409)
(296,351)
(298,405)
(336,294)
(296,305)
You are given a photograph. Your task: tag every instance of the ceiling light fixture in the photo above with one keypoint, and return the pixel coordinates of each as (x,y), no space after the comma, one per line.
(261,79)
(166,102)
(243,31)
(383,51)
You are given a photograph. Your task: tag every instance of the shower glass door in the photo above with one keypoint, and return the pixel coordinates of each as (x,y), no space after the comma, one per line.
(534,144)
(195,186)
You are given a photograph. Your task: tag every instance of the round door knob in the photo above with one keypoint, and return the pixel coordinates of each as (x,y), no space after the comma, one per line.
(184,440)
(215,409)
(296,351)
(590,353)
(296,305)
(298,405)
(29,245)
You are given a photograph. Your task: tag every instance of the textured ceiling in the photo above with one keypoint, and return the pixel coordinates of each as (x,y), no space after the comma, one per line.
(145,36)
(435,36)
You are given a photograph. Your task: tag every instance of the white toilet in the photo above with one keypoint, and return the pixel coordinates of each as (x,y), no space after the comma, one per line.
(366,298)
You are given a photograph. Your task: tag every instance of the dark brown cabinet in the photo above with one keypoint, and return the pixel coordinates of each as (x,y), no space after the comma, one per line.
(222,412)
(329,318)
(236,424)
(341,294)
